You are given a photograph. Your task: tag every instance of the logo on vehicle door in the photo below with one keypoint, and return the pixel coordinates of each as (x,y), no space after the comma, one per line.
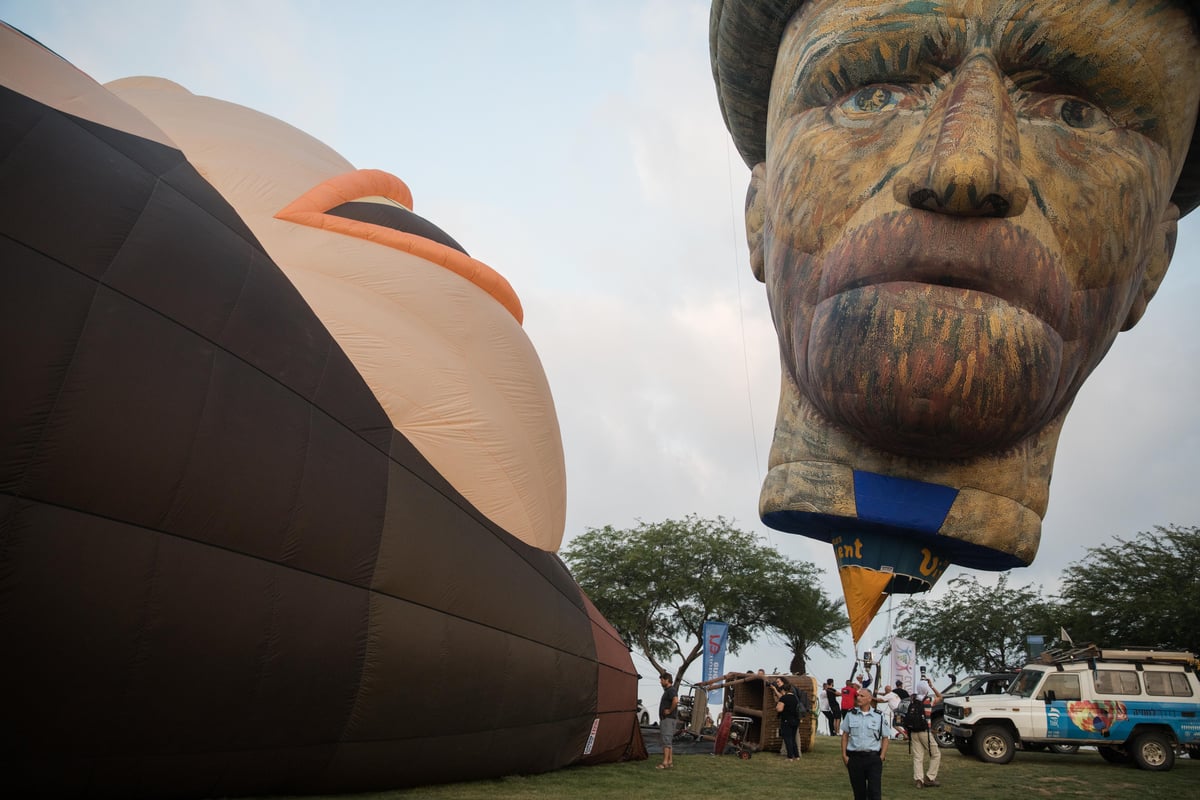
(1096,717)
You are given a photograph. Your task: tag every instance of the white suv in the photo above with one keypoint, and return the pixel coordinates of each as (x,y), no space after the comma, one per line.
(1134,705)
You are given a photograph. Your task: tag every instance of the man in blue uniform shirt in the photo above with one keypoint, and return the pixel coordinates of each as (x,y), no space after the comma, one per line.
(865,736)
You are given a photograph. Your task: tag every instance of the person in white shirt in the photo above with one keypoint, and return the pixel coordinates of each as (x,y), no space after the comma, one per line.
(892,700)
(823,707)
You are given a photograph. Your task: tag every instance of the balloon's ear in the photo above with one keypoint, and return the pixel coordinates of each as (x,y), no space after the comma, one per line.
(755,218)
(1162,248)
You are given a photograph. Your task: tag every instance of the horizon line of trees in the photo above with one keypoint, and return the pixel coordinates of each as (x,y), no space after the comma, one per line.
(657,583)
(1143,591)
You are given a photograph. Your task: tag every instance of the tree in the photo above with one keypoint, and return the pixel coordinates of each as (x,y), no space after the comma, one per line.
(658,583)
(803,616)
(1140,592)
(976,628)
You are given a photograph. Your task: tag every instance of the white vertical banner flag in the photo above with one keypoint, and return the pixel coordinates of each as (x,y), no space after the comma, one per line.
(904,662)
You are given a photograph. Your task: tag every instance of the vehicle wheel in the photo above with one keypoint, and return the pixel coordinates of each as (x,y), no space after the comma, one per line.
(994,744)
(941,731)
(963,746)
(645,720)
(1153,751)
(1113,755)
(1193,750)
(1064,749)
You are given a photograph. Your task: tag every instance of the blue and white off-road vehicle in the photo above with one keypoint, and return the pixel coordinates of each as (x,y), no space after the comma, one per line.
(1132,705)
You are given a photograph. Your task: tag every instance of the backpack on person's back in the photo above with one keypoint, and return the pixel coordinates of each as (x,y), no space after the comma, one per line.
(802,702)
(914,716)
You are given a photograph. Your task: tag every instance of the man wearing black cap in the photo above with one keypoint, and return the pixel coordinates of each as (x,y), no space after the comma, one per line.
(955,207)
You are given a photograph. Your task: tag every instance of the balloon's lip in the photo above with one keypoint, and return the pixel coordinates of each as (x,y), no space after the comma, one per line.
(311,207)
(990,257)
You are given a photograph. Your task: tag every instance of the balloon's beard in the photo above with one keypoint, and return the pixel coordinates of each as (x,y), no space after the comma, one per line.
(927,371)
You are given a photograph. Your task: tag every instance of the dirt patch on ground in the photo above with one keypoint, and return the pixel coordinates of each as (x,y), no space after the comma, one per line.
(1057,786)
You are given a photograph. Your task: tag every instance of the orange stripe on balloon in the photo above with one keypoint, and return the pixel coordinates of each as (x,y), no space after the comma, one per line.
(309,209)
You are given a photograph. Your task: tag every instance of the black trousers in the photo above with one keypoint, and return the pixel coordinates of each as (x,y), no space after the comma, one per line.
(787,731)
(866,775)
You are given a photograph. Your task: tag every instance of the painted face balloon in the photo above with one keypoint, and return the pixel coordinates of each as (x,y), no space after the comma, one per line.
(955,208)
(277,465)
(962,222)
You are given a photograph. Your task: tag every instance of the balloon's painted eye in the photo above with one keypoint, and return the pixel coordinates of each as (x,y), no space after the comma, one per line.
(871,100)
(1079,114)
(1072,112)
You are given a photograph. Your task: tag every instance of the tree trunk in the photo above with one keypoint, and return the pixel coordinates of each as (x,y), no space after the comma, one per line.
(798,666)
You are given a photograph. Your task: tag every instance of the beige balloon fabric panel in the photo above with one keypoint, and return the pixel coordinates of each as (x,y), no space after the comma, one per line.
(449,363)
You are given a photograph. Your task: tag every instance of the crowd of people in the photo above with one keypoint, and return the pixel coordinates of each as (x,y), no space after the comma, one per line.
(866,719)
(835,704)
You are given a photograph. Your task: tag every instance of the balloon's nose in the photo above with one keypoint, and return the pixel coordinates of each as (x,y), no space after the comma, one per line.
(967,160)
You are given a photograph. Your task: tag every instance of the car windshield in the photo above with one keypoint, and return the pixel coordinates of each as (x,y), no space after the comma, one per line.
(963,686)
(1027,680)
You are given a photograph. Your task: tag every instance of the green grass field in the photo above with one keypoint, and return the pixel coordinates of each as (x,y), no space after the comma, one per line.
(820,776)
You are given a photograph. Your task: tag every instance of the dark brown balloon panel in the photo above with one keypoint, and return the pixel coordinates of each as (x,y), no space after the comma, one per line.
(222,571)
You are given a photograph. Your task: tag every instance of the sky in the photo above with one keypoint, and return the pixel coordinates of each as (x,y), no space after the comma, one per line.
(577,148)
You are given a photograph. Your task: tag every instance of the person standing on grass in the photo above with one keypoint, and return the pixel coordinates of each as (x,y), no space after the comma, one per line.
(849,692)
(833,708)
(865,737)
(787,704)
(892,699)
(921,739)
(668,718)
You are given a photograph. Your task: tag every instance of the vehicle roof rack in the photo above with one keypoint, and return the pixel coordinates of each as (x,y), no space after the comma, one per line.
(1148,655)
(1061,655)
(1140,655)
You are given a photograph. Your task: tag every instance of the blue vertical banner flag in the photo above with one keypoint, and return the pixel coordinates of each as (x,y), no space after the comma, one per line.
(715,634)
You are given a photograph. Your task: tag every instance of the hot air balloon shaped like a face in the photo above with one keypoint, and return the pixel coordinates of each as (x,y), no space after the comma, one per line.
(280,475)
(439,347)
(955,208)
